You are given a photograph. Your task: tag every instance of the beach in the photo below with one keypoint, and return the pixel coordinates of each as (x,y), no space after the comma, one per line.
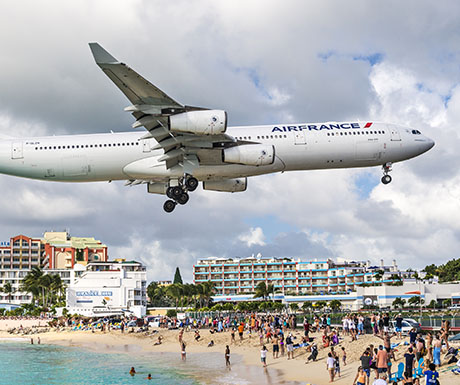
(248,365)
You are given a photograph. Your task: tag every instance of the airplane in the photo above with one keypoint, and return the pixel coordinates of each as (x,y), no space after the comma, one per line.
(184,145)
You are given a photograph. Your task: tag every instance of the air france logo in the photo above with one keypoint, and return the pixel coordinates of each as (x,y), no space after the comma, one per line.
(319,127)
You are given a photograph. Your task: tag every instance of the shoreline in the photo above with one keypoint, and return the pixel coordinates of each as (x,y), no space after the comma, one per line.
(245,356)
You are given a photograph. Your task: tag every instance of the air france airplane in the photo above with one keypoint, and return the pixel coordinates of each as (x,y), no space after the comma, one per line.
(184,145)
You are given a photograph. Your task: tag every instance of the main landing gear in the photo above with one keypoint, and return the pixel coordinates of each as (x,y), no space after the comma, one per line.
(179,194)
(386,169)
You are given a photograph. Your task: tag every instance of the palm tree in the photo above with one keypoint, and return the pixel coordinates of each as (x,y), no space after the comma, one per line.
(335,304)
(30,283)
(175,292)
(8,289)
(207,291)
(264,290)
(306,306)
(44,283)
(56,286)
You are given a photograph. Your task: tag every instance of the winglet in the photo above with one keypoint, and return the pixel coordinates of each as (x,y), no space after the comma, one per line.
(101,55)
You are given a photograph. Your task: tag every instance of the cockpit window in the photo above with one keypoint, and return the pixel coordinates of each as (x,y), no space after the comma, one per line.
(416,132)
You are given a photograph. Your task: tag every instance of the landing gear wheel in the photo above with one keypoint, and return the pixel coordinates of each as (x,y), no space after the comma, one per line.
(169,192)
(169,206)
(183,199)
(176,192)
(386,179)
(191,183)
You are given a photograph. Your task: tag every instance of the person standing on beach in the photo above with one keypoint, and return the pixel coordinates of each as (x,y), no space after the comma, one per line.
(290,346)
(227,357)
(366,365)
(241,330)
(437,344)
(410,360)
(382,361)
(276,347)
(263,356)
(330,366)
(344,356)
(360,378)
(183,353)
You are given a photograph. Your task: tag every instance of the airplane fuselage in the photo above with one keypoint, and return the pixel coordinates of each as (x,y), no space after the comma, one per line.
(126,156)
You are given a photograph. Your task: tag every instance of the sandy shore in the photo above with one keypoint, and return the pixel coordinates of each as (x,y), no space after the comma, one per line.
(279,370)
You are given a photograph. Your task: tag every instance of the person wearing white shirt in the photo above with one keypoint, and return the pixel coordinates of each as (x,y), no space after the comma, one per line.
(330,365)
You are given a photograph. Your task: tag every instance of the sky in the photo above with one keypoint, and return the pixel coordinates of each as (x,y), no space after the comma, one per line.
(264,62)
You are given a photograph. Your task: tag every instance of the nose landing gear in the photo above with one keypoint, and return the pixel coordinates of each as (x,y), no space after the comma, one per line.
(386,169)
(179,194)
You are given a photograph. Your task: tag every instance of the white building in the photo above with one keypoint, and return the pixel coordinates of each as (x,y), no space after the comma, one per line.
(381,296)
(108,288)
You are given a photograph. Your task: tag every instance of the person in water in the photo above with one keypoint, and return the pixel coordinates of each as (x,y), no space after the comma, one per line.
(149,377)
(132,371)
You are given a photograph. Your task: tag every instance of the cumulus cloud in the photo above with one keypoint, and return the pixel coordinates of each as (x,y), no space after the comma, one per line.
(264,62)
(255,236)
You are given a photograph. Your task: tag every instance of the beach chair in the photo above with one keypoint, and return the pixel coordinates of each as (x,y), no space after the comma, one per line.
(418,372)
(397,376)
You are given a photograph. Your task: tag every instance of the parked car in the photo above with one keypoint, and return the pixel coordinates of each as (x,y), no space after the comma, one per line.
(153,322)
(415,324)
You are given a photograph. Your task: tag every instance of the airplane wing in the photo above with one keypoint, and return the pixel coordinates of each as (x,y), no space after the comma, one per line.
(153,109)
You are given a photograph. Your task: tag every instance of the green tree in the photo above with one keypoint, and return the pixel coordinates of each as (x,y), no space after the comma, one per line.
(447,302)
(433,304)
(30,283)
(294,307)
(398,302)
(306,306)
(379,275)
(263,290)
(320,304)
(8,290)
(175,292)
(415,300)
(177,276)
(335,304)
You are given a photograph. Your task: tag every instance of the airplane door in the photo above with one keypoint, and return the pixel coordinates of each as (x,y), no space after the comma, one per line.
(16,150)
(394,133)
(146,146)
(299,137)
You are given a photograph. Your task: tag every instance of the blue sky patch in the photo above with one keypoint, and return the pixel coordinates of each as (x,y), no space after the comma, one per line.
(364,184)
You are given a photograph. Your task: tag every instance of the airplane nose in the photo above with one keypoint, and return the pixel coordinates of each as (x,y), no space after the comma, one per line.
(430,144)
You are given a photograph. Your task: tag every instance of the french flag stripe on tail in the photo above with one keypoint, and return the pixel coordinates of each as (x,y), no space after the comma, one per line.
(368,124)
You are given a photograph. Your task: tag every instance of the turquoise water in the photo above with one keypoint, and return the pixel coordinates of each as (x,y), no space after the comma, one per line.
(22,363)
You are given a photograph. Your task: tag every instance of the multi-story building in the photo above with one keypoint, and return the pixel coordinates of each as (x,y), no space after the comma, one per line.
(61,251)
(291,276)
(108,288)
(20,252)
(55,253)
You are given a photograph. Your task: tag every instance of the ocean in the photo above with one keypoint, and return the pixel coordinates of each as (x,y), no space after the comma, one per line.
(23,363)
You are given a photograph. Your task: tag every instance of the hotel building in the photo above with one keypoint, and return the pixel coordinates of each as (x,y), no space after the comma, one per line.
(108,288)
(55,253)
(291,276)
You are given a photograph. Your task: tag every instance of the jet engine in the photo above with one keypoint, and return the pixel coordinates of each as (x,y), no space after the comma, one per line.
(207,122)
(226,185)
(250,154)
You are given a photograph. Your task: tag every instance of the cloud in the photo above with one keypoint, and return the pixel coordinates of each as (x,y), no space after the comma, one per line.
(255,236)
(265,62)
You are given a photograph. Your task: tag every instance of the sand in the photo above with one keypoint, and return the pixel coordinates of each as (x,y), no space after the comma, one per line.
(279,370)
